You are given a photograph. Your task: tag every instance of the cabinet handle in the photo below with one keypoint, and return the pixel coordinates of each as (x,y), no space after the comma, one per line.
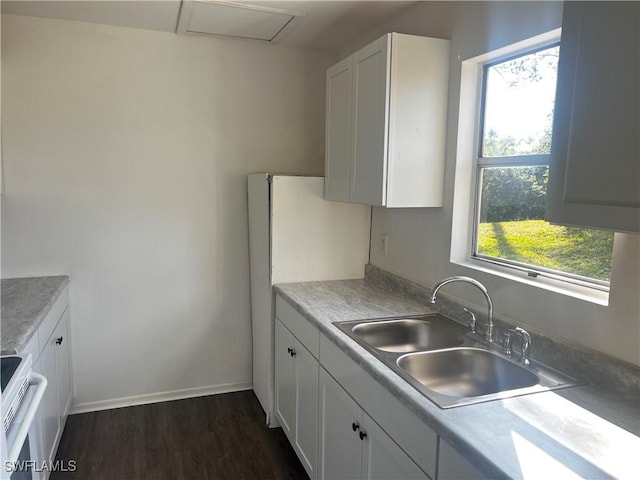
(355,426)
(59,340)
(362,435)
(289,350)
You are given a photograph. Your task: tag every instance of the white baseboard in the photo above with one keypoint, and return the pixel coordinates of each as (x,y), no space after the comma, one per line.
(159,397)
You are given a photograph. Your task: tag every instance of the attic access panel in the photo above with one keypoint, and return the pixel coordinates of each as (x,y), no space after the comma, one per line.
(234,20)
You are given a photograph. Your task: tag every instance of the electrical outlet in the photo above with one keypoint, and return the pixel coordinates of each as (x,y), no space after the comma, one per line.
(384,243)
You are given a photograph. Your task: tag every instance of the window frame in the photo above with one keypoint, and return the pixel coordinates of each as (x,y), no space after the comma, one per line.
(479,163)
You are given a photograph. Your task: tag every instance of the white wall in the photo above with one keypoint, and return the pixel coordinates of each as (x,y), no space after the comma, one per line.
(419,240)
(125,157)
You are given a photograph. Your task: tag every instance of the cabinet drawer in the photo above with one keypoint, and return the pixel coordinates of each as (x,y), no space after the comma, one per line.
(51,320)
(308,335)
(417,439)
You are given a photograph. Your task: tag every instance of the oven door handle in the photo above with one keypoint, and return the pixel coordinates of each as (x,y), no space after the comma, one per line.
(38,382)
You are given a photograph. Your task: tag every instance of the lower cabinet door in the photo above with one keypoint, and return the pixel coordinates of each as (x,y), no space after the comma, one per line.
(340,428)
(382,458)
(285,380)
(306,408)
(63,372)
(48,412)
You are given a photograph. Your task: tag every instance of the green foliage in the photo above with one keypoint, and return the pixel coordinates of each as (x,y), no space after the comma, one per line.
(536,242)
(497,146)
(513,193)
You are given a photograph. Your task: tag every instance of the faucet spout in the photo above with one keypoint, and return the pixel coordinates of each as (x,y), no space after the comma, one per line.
(482,288)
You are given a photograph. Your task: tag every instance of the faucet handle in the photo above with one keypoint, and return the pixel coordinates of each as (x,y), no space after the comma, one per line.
(506,343)
(525,349)
(473,321)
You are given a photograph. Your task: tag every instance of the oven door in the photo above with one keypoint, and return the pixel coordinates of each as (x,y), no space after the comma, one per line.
(16,455)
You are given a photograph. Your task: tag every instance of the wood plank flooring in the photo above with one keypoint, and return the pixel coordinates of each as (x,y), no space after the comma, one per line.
(214,437)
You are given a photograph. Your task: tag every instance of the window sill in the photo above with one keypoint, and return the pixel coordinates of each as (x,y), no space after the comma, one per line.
(580,292)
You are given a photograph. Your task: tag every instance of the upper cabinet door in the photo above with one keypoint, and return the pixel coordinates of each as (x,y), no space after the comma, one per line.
(594,177)
(338,135)
(371,92)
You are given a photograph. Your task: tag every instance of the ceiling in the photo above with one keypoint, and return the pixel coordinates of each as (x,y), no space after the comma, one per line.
(317,24)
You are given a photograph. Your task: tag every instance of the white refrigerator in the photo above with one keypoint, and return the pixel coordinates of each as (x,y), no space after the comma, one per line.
(295,236)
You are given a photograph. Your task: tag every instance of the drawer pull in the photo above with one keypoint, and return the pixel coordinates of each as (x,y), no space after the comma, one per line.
(363,435)
(355,426)
(59,340)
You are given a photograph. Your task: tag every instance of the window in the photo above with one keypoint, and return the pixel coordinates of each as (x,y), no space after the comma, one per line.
(513,148)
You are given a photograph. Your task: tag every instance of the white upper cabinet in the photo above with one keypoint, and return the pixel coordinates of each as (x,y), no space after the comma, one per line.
(386,123)
(594,177)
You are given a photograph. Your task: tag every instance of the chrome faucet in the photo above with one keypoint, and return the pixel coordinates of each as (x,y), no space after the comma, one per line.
(489,332)
(525,348)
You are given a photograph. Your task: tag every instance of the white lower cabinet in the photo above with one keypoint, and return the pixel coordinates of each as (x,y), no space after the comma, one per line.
(296,376)
(49,348)
(352,445)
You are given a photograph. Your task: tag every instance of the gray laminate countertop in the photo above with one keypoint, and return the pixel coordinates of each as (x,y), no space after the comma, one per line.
(577,432)
(25,304)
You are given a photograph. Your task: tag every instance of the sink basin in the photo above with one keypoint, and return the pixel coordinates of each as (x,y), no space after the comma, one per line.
(438,358)
(404,335)
(466,372)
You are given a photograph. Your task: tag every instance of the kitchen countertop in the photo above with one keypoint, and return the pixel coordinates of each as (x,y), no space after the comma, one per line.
(25,304)
(568,433)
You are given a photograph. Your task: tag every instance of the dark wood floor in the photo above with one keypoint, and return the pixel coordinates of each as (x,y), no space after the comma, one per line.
(215,437)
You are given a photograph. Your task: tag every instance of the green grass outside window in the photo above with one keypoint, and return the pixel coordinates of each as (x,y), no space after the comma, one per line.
(536,242)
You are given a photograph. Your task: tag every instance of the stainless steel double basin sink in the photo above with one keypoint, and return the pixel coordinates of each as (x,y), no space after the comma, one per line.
(437,357)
